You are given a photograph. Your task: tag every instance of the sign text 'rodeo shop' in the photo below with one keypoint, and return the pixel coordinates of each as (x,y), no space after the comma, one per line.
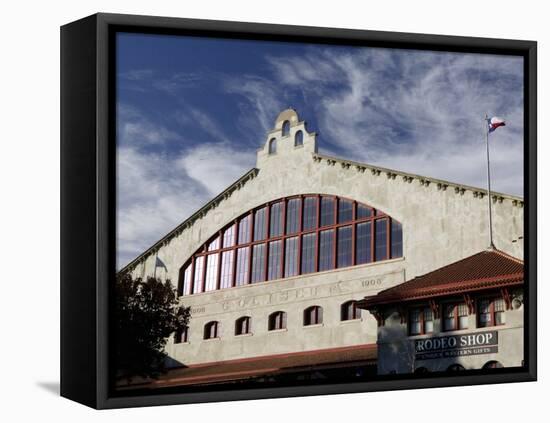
(456,345)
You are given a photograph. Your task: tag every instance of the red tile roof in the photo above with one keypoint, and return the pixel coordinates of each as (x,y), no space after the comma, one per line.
(484,270)
(231,370)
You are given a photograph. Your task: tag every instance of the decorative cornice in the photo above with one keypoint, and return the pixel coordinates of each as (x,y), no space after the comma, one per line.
(424,181)
(186,224)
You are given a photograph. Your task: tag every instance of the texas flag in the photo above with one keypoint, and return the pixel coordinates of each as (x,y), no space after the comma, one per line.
(494,123)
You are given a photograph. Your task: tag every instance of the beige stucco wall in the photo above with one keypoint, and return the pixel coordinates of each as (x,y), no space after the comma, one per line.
(442,223)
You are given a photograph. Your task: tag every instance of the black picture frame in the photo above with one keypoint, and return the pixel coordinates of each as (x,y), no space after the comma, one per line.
(88,200)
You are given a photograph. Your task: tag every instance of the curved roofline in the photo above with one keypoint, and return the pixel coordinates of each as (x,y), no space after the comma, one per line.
(316,157)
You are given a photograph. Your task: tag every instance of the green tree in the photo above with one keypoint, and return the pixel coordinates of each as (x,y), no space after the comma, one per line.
(146,313)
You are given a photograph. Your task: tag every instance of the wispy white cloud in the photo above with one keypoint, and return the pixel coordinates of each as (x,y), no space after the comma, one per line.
(263,101)
(134,128)
(192,116)
(416,111)
(214,166)
(157,190)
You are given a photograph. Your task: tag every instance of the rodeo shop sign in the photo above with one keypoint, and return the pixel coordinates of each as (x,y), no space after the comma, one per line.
(456,345)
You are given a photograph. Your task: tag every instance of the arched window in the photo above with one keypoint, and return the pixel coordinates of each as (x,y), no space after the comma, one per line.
(211,330)
(493,364)
(242,325)
(272,146)
(455,368)
(181,335)
(349,311)
(286,128)
(298,139)
(277,321)
(313,315)
(288,237)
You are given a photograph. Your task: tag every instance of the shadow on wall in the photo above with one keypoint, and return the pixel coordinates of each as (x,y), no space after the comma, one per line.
(399,356)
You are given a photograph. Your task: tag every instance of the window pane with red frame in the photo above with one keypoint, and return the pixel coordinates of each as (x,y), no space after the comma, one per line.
(345,211)
(276,220)
(327,211)
(484,313)
(197,282)
(326,250)
(244,229)
(243,257)
(293,216)
(291,256)
(308,253)
(274,260)
(310,213)
(226,276)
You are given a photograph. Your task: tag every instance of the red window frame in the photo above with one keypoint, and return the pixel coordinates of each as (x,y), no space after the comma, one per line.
(206,249)
(455,305)
(422,315)
(492,312)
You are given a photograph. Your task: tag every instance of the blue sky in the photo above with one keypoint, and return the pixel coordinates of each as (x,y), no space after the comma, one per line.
(192,111)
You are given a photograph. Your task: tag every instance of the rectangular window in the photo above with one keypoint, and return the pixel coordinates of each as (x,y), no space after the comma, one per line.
(258,263)
(499,307)
(241,276)
(293,216)
(211,272)
(310,213)
(363,211)
(421,321)
(381,240)
(327,211)
(363,238)
(449,321)
(229,237)
(428,316)
(276,220)
(484,314)
(344,246)
(308,253)
(226,276)
(326,250)
(415,322)
(274,260)
(187,280)
(197,280)
(462,316)
(291,257)
(345,211)
(491,312)
(396,239)
(244,229)
(260,224)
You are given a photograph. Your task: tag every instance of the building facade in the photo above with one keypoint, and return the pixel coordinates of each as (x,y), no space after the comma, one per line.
(276,263)
(466,315)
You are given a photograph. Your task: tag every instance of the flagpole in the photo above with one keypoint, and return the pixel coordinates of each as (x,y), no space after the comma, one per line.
(491,245)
